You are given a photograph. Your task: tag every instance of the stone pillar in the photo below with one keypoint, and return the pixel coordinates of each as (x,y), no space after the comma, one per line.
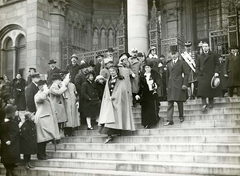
(89,34)
(57,19)
(172,12)
(137,12)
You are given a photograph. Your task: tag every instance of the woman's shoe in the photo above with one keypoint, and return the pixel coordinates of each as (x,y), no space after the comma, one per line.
(90,128)
(109,138)
(31,166)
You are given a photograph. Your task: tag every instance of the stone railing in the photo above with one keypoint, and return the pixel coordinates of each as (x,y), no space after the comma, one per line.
(87,56)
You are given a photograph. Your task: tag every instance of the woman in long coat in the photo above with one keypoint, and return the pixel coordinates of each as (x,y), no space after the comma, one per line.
(149,82)
(116,111)
(18,86)
(28,139)
(71,104)
(45,120)
(91,99)
(9,134)
(57,90)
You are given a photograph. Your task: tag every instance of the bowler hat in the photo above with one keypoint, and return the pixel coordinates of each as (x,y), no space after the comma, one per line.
(52,62)
(188,43)
(99,55)
(110,50)
(173,49)
(41,82)
(215,82)
(56,76)
(6,96)
(35,75)
(32,68)
(10,110)
(84,65)
(126,54)
(74,56)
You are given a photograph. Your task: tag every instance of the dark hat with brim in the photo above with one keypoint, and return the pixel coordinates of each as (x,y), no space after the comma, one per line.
(99,55)
(173,49)
(188,43)
(215,82)
(32,68)
(127,54)
(41,82)
(74,56)
(35,75)
(6,96)
(148,63)
(84,65)
(56,76)
(52,62)
(110,50)
(10,110)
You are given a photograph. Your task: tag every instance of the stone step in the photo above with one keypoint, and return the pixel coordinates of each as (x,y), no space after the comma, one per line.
(193,106)
(186,157)
(217,138)
(202,117)
(163,147)
(172,130)
(141,166)
(177,124)
(46,171)
(193,124)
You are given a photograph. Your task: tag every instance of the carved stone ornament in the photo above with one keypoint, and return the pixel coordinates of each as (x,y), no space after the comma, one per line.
(58,6)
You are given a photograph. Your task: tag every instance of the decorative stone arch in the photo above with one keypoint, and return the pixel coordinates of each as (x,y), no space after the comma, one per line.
(8,56)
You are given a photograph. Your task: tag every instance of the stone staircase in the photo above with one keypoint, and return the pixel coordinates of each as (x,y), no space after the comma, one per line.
(204,144)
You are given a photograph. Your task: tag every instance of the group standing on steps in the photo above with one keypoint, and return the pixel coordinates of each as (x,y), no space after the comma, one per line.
(86,94)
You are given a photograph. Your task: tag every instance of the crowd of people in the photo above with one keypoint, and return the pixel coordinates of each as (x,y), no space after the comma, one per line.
(104,93)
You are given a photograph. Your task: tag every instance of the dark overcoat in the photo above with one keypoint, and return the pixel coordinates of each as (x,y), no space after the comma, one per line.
(232,68)
(30,92)
(9,131)
(28,138)
(50,73)
(91,99)
(73,70)
(18,86)
(206,66)
(177,76)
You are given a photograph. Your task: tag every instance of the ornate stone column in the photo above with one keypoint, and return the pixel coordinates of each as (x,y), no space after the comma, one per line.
(57,19)
(172,12)
(137,11)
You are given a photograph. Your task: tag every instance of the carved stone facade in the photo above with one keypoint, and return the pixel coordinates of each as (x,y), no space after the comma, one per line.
(55,29)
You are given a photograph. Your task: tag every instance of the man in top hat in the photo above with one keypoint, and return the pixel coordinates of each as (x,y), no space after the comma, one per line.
(73,67)
(53,69)
(176,85)
(30,92)
(31,71)
(189,57)
(232,71)
(99,63)
(207,66)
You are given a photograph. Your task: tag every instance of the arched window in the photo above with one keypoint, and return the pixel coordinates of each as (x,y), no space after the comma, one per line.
(21,54)
(103,39)
(8,69)
(110,38)
(95,39)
